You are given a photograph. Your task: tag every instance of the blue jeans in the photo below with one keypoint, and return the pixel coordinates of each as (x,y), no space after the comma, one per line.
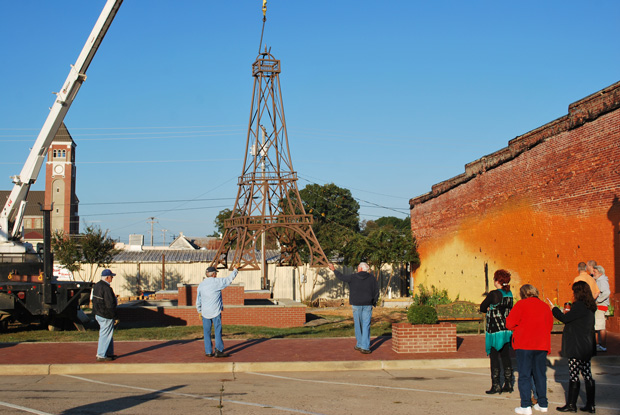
(361,320)
(532,363)
(217,328)
(106,340)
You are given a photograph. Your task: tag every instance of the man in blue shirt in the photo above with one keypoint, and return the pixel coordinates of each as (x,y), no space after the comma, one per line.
(209,305)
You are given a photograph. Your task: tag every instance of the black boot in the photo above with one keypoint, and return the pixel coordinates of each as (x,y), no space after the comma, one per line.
(589,397)
(571,399)
(507,380)
(495,387)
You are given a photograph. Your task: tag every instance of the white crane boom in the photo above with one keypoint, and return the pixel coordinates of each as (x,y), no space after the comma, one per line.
(16,203)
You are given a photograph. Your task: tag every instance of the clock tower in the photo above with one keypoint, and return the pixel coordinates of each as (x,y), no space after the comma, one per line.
(60,183)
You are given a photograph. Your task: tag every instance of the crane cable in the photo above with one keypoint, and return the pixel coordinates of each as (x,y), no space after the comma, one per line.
(264,20)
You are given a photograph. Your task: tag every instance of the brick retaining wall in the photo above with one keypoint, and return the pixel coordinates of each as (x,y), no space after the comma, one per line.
(231,295)
(264,316)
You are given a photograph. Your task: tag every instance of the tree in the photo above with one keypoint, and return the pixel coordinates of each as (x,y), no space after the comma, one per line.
(380,245)
(397,223)
(93,247)
(220,218)
(394,222)
(335,213)
(66,251)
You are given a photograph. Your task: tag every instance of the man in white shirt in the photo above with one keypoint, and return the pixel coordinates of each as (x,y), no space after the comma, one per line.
(602,305)
(209,305)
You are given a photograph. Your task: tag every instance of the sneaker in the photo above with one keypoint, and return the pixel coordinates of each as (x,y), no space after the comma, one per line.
(540,408)
(365,351)
(104,359)
(524,411)
(220,354)
(209,354)
(600,348)
(357,348)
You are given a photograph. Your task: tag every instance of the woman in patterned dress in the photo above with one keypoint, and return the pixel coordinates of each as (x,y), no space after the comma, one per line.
(578,345)
(497,305)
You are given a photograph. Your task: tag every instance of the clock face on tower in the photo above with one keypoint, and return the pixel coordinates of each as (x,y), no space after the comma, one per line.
(59,169)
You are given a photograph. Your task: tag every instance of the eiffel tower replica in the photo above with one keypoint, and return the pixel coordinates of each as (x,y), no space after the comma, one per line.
(268,205)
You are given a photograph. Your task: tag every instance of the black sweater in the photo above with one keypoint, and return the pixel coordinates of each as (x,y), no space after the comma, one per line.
(578,339)
(104,300)
(363,288)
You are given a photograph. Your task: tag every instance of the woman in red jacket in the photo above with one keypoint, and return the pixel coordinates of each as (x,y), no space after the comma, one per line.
(531,322)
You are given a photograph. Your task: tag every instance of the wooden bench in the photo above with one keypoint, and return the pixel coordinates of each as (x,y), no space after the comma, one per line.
(461,311)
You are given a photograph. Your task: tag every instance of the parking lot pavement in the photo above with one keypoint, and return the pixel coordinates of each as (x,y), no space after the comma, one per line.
(421,391)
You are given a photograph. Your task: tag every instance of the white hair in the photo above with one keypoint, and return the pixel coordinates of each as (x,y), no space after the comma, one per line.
(600,269)
(363,266)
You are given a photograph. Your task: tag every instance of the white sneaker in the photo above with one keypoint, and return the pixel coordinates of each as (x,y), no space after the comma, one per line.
(600,348)
(540,408)
(524,411)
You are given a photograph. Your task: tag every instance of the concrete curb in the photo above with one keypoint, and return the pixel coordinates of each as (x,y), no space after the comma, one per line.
(236,367)
(240,367)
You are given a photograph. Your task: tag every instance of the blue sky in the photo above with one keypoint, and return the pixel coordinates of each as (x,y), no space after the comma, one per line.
(383,98)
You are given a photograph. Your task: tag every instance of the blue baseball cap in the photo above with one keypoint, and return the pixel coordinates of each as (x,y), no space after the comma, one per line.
(107,273)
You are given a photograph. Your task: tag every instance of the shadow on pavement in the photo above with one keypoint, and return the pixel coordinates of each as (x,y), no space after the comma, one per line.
(157,346)
(116,405)
(244,345)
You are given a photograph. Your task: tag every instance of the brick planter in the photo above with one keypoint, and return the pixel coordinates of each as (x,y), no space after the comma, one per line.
(424,338)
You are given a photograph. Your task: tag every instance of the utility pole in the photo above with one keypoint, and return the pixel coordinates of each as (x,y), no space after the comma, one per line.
(164,231)
(151,221)
(264,234)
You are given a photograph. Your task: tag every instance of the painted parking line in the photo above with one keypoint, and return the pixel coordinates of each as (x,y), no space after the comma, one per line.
(23,408)
(562,379)
(465,372)
(288,378)
(189,395)
(364,385)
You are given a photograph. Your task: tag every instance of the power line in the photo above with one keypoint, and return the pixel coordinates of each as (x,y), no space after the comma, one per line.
(365,201)
(130,128)
(152,161)
(359,190)
(153,211)
(157,201)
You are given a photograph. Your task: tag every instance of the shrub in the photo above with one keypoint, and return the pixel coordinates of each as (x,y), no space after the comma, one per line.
(431,297)
(421,314)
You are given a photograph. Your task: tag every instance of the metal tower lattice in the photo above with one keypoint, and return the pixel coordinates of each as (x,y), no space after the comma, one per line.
(268,201)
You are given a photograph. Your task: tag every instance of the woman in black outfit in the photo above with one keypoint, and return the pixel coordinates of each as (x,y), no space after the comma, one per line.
(497,306)
(578,345)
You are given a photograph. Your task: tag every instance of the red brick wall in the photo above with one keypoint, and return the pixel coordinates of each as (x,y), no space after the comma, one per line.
(423,338)
(166,296)
(187,294)
(537,208)
(613,323)
(231,295)
(258,295)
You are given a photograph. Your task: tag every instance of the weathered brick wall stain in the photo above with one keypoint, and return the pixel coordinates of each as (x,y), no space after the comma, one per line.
(536,208)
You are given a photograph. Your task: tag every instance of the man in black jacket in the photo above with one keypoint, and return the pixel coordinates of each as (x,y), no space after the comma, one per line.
(363,296)
(104,307)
